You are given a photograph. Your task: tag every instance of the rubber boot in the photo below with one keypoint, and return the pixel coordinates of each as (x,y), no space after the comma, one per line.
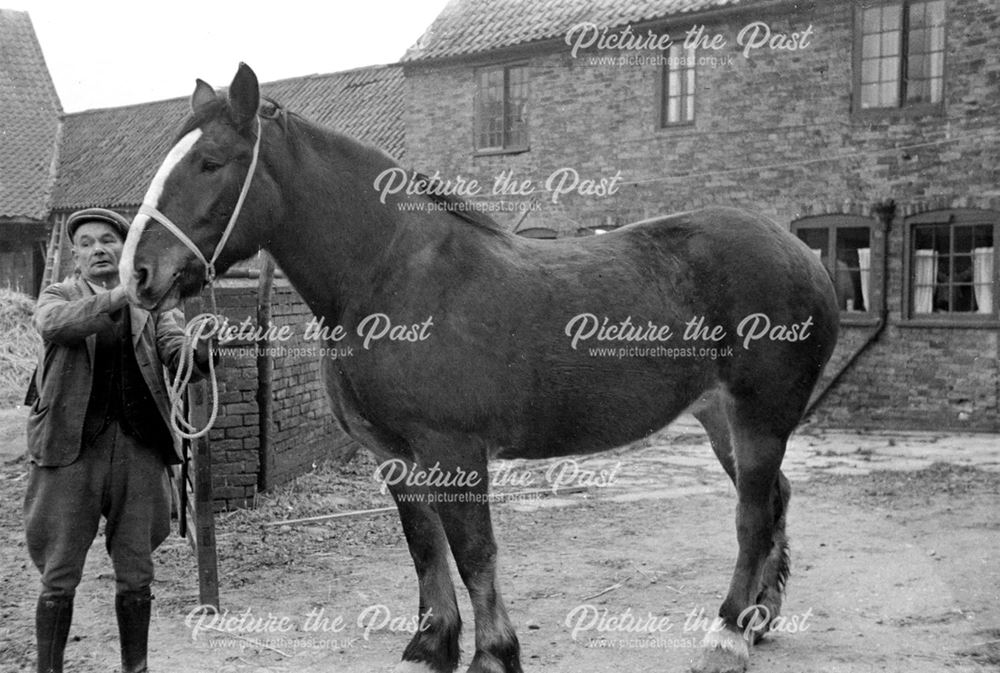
(53,615)
(132,609)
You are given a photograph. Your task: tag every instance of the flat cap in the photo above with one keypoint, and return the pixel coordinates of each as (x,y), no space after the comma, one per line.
(110,217)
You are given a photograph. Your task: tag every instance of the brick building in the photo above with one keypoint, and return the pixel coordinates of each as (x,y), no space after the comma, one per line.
(870,129)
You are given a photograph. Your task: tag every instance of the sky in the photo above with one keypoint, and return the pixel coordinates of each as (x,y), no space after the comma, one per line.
(107,53)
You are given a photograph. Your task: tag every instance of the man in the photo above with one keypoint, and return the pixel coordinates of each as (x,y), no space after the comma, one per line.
(99,439)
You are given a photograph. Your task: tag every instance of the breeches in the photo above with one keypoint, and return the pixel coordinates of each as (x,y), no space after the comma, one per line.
(117,478)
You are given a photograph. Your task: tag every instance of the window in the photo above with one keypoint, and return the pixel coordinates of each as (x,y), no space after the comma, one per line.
(843,244)
(677,87)
(899,54)
(953,264)
(501,108)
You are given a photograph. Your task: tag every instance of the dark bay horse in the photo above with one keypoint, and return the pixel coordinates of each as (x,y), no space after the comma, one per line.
(477,343)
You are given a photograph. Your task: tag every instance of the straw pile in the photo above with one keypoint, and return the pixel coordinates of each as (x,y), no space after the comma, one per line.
(19,343)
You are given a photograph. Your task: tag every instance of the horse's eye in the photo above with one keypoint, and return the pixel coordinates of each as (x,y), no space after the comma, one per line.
(209,166)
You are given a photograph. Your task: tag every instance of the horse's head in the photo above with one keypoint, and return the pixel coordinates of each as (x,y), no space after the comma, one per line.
(190,226)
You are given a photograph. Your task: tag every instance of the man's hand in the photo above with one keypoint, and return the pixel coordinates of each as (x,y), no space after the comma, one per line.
(63,316)
(203,351)
(118,297)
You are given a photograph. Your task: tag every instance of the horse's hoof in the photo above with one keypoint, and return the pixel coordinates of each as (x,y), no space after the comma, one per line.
(722,652)
(719,661)
(413,667)
(770,602)
(484,662)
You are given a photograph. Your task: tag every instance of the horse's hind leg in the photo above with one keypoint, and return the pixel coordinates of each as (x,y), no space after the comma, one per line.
(711,413)
(777,565)
(751,453)
(434,647)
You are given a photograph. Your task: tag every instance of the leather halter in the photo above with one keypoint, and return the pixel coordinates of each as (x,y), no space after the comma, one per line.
(150,211)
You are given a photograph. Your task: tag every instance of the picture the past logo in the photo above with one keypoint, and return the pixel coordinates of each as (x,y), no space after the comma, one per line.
(560,182)
(754,327)
(755,36)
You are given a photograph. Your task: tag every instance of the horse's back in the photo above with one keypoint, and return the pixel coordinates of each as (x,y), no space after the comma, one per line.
(741,249)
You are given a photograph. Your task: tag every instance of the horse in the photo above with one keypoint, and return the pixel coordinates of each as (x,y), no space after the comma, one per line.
(472,343)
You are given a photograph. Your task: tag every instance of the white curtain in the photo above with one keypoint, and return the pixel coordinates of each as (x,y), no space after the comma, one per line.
(925,277)
(982,276)
(818,252)
(864,261)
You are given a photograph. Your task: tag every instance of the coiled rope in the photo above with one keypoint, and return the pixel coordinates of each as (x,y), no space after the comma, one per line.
(202,327)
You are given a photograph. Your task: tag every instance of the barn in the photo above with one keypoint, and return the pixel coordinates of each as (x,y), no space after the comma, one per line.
(29,135)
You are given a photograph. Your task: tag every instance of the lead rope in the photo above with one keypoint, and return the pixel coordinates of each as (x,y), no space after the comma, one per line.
(203,324)
(196,330)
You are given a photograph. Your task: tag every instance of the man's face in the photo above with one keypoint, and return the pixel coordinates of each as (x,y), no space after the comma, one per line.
(97,248)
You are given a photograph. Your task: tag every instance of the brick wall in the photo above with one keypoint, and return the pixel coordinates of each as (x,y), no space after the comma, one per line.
(785,116)
(302,428)
(950,376)
(235,437)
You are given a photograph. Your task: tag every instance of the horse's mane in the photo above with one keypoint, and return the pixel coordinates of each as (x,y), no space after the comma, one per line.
(456,206)
(463,209)
(290,122)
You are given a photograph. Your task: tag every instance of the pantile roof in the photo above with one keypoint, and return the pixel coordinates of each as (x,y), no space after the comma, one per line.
(29,121)
(466,27)
(109,156)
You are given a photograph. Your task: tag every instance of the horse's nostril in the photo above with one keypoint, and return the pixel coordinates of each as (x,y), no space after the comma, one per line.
(141,275)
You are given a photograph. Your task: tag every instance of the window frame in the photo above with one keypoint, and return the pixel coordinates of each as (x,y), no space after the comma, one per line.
(950,217)
(663,91)
(903,108)
(876,244)
(506,147)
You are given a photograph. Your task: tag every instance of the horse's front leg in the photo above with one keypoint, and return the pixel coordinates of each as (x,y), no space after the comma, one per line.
(463,507)
(434,647)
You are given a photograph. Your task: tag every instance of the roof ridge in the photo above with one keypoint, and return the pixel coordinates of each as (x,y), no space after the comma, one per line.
(349,71)
(312,76)
(127,106)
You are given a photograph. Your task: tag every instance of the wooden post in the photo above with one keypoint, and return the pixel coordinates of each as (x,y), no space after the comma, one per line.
(53,254)
(204,512)
(198,515)
(265,459)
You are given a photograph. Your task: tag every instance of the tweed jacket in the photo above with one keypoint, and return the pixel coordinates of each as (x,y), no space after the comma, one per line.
(68,315)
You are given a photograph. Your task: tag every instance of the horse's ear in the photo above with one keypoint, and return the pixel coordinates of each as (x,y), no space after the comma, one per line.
(244,95)
(202,96)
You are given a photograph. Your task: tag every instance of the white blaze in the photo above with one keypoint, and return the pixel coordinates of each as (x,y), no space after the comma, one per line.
(152,198)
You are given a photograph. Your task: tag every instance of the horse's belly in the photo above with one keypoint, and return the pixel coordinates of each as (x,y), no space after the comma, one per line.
(598,424)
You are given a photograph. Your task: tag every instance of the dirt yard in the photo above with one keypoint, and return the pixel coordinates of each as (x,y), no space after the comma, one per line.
(895,541)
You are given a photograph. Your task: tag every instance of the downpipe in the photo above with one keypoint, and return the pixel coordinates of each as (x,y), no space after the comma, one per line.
(885,212)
